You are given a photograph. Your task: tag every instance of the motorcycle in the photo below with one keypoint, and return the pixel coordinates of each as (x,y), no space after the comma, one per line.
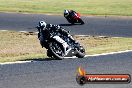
(74,18)
(61,46)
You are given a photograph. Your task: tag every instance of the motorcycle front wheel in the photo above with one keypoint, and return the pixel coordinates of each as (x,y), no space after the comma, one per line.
(80,52)
(56,50)
(81,21)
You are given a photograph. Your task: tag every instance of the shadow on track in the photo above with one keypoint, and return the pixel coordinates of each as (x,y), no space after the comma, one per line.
(40,59)
(43,59)
(65,24)
(69,24)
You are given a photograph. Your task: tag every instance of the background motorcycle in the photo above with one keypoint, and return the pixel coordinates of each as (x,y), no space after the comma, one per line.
(60,46)
(74,18)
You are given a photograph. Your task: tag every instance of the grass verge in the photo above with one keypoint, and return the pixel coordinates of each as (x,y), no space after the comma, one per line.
(15,46)
(92,7)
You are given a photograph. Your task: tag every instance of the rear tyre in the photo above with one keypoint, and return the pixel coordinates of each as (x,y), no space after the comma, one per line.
(49,53)
(72,23)
(56,50)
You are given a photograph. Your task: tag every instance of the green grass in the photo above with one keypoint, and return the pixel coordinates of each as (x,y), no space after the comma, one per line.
(91,7)
(16,46)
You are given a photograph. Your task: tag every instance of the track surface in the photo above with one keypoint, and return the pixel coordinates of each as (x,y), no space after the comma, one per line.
(61,73)
(103,26)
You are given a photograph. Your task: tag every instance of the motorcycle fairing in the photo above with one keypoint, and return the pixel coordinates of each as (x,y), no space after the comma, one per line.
(66,47)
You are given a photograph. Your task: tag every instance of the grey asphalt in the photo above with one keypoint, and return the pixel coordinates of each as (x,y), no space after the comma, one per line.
(62,73)
(102,26)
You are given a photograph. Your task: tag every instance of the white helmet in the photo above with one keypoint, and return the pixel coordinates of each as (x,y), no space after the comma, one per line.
(66,12)
(42,24)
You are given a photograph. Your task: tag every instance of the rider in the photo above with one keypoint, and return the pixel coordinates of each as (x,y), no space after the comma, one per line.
(69,13)
(44,29)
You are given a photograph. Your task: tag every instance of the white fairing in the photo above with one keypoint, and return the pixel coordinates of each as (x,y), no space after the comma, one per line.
(65,45)
(59,39)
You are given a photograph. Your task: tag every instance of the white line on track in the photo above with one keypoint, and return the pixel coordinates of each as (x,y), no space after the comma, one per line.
(109,53)
(103,54)
(3,30)
(24,31)
(76,35)
(36,32)
(18,62)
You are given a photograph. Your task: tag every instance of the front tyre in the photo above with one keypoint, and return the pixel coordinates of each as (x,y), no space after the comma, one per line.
(81,21)
(80,52)
(56,50)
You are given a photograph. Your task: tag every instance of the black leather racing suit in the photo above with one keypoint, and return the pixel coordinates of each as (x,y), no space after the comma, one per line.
(71,15)
(43,34)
